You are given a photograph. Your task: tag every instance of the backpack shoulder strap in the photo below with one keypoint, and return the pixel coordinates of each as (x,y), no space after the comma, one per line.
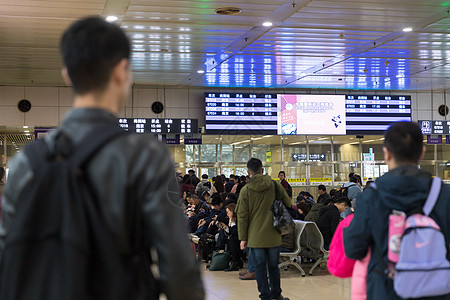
(93,142)
(433,195)
(35,153)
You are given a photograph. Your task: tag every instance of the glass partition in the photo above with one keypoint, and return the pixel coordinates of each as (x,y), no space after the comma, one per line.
(307,160)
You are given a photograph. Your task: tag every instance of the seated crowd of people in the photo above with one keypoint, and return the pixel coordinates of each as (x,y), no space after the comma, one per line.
(210,209)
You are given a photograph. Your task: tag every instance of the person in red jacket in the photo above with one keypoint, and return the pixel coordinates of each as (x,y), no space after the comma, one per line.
(284,183)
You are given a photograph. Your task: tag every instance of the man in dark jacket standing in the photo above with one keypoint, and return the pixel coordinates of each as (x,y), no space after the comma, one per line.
(329,218)
(323,195)
(255,228)
(284,183)
(194,179)
(132,177)
(404,188)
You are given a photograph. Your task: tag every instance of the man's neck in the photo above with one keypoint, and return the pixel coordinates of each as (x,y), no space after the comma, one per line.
(392,165)
(101,101)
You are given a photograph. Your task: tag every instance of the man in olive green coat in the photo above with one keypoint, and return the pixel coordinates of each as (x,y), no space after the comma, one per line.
(255,228)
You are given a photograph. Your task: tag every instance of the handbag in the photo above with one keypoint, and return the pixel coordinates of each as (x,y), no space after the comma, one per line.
(282,220)
(219,261)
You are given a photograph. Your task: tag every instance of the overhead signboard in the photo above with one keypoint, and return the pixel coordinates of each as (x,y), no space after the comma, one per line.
(303,114)
(375,113)
(236,113)
(312,157)
(166,125)
(435,127)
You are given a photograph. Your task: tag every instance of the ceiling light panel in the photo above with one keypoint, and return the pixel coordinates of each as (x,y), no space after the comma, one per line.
(180,36)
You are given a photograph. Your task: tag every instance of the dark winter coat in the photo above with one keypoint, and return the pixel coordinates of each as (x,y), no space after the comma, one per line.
(313,214)
(328,221)
(323,198)
(404,189)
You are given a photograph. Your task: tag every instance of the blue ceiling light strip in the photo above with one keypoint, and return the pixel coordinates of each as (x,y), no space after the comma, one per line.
(367,47)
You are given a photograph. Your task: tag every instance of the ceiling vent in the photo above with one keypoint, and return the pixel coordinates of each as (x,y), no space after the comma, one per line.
(227,11)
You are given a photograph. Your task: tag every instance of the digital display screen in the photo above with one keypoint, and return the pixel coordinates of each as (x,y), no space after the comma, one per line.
(435,127)
(167,125)
(303,114)
(374,114)
(236,113)
(311,114)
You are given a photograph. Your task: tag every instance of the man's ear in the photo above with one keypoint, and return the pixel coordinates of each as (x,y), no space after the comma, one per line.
(424,149)
(387,155)
(65,76)
(120,72)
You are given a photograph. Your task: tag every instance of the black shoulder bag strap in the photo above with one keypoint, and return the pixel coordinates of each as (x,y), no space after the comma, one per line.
(276,190)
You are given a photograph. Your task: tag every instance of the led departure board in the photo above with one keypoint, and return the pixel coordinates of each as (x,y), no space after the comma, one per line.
(159,125)
(235,113)
(374,114)
(435,127)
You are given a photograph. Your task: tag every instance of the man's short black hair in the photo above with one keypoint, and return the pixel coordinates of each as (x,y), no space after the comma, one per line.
(353,178)
(254,165)
(405,141)
(204,176)
(322,187)
(216,201)
(282,172)
(333,192)
(350,175)
(91,48)
(191,171)
(344,200)
(232,176)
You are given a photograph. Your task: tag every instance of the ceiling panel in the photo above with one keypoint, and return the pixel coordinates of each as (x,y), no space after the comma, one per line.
(312,44)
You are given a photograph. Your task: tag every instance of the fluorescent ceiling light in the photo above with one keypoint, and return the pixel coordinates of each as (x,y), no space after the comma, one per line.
(200,71)
(25,126)
(111,19)
(267,24)
(407,29)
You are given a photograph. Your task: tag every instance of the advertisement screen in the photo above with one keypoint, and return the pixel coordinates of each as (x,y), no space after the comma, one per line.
(311,114)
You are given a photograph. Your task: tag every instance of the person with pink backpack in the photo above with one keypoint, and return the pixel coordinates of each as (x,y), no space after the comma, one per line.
(341,266)
(404,216)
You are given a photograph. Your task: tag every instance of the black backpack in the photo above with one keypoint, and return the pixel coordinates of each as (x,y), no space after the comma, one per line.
(59,246)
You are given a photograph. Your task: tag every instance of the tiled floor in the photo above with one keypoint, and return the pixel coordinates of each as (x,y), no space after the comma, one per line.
(321,286)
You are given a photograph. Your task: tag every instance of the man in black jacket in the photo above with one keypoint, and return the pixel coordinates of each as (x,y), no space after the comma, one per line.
(404,188)
(229,185)
(132,177)
(329,218)
(323,195)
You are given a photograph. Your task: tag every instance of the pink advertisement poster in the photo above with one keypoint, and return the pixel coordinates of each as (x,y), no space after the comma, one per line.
(311,114)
